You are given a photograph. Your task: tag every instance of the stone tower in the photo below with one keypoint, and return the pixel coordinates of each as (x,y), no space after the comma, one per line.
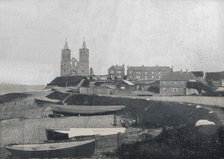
(84,60)
(65,60)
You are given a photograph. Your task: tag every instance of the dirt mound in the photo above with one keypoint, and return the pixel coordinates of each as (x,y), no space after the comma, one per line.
(185,143)
(150,114)
(12,96)
(69,81)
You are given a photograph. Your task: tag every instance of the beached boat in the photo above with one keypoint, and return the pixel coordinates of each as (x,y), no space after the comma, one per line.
(54,150)
(63,134)
(44,100)
(85,109)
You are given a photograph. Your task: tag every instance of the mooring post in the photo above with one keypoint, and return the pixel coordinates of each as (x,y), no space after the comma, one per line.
(118,140)
(136,120)
(115,120)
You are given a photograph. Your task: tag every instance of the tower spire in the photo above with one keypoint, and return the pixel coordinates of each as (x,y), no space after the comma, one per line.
(84,46)
(66,44)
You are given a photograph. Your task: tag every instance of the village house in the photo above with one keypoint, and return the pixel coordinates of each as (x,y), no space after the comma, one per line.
(152,86)
(175,83)
(149,73)
(215,80)
(116,72)
(125,85)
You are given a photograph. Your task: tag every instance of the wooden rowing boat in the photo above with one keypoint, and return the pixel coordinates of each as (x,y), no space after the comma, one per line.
(63,134)
(85,110)
(44,100)
(53,150)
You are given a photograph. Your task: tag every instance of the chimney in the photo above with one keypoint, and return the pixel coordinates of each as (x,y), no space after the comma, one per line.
(187,71)
(181,70)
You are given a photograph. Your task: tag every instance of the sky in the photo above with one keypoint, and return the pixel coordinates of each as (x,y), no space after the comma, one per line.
(186,34)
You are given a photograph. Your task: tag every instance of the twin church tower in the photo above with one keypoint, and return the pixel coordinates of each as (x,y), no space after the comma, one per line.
(71,66)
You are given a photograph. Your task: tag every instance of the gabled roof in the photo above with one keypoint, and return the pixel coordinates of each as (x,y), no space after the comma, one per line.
(128,82)
(178,76)
(116,67)
(150,68)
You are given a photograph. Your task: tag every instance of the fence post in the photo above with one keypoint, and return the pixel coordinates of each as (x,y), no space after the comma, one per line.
(118,140)
(115,120)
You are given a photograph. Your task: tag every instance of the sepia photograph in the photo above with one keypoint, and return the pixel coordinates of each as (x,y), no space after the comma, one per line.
(111,79)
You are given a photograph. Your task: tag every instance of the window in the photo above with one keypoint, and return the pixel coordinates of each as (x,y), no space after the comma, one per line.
(146,78)
(146,73)
(152,77)
(112,72)
(153,73)
(130,72)
(118,71)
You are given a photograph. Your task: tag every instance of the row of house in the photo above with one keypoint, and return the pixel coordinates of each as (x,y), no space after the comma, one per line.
(165,81)
(138,72)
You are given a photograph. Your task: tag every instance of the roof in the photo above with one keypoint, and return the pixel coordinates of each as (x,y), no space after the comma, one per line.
(69,81)
(178,76)
(146,82)
(216,76)
(150,68)
(117,67)
(198,73)
(128,82)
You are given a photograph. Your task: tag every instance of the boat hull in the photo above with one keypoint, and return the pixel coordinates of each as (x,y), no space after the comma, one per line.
(81,133)
(54,135)
(85,150)
(45,100)
(85,110)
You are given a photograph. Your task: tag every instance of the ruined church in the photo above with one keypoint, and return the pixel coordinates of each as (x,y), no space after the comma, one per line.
(73,67)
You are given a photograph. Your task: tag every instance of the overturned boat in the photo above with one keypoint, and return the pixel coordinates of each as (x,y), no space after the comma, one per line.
(85,109)
(45,100)
(63,134)
(54,150)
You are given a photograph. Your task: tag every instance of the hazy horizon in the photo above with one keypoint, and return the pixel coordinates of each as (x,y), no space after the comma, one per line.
(186,34)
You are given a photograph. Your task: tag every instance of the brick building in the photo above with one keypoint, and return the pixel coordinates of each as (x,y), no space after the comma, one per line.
(175,83)
(215,79)
(147,72)
(116,72)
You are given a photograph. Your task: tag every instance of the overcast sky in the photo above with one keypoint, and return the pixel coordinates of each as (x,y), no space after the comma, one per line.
(186,34)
